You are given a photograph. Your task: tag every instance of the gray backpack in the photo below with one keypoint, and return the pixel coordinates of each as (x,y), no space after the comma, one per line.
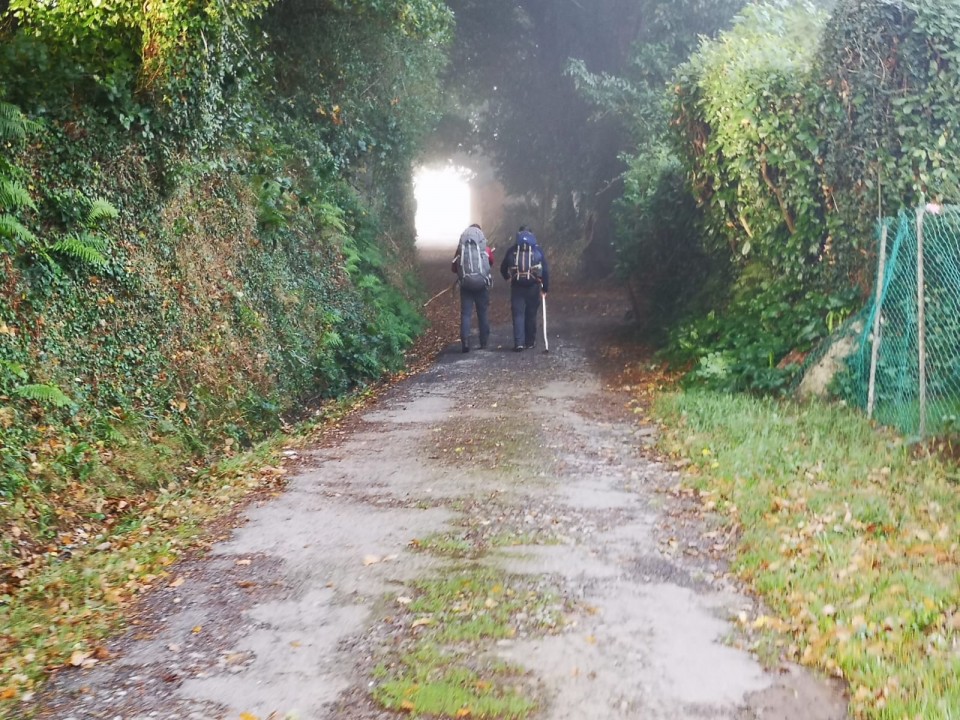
(474,265)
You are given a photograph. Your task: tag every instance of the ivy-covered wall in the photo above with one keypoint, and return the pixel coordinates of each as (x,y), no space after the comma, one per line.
(205,227)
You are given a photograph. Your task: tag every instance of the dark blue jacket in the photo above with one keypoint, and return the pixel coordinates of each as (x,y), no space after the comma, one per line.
(510,259)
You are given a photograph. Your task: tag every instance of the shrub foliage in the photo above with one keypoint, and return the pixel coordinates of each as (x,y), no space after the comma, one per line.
(795,130)
(205,228)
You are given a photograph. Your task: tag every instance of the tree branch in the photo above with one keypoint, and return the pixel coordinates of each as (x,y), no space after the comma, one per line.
(778,193)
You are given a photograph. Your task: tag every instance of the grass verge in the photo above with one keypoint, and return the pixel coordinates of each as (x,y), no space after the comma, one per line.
(851,538)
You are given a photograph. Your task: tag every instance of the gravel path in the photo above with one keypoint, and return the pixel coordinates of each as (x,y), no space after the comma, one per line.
(531,460)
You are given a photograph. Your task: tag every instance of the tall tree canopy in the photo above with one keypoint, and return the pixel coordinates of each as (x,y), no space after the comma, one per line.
(529,72)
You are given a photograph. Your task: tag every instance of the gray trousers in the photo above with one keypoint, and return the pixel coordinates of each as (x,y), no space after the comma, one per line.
(468,300)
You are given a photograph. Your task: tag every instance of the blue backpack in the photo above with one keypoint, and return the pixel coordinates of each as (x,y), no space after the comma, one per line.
(527,262)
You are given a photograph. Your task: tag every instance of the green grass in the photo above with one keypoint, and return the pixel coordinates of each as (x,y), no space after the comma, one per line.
(474,604)
(443,668)
(446,545)
(437,683)
(849,535)
(467,544)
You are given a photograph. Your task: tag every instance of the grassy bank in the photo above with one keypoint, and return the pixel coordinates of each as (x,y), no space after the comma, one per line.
(89,587)
(849,536)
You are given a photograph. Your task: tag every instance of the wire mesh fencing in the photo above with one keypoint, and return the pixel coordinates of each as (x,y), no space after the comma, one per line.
(906,371)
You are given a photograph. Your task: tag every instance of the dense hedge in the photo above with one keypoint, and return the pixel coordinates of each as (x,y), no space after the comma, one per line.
(891,73)
(796,131)
(205,225)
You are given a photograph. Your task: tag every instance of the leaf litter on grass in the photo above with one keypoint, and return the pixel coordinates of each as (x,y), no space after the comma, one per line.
(851,540)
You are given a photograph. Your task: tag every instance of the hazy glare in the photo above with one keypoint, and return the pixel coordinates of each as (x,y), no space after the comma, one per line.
(443,205)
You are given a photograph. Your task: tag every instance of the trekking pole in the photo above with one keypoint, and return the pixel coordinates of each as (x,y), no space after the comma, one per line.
(543,302)
(442,292)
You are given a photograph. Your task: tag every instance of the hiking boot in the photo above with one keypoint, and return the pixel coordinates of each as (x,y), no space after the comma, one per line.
(466,348)
(518,348)
(530,347)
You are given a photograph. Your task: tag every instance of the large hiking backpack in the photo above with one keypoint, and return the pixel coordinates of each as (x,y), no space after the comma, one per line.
(527,261)
(474,266)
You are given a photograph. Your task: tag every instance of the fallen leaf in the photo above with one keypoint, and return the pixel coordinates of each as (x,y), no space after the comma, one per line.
(197,629)
(371,559)
(407,706)
(403,600)
(235,658)
(178,582)
(419,622)
(78,657)
(8,693)
(245,561)
(248,716)
(464,712)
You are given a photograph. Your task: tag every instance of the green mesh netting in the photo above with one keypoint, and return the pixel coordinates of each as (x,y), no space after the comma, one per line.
(902,397)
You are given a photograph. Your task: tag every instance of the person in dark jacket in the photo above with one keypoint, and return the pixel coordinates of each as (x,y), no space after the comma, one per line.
(526,268)
(479,298)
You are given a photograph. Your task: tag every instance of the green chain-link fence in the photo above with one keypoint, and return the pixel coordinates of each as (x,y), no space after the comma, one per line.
(907,368)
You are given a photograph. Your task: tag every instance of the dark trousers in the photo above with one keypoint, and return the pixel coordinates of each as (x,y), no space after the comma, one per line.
(525,304)
(469,299)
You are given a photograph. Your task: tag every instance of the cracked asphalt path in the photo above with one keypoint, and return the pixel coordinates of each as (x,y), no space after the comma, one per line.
(287,616)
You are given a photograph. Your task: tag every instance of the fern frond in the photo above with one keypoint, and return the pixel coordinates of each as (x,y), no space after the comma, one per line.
(13,124)
(44,395)
(108,432)
(15,369)
(81,247)
(13,229)
(331,216)
(97,242)
(369,282)
(101,209)
(14,196)
(333,340)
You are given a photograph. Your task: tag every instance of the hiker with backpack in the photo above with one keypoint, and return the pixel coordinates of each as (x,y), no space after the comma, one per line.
(526,268)
(472,265)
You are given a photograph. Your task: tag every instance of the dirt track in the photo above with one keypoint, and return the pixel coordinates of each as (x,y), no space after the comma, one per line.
(530,458)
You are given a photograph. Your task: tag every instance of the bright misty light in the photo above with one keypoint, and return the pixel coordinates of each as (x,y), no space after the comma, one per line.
(443,205)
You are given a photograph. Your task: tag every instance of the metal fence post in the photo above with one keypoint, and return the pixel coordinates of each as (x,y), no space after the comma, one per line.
(921,324)
(875,350)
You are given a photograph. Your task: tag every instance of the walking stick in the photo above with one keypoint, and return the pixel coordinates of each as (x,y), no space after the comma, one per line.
(543,302)
(442,292)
